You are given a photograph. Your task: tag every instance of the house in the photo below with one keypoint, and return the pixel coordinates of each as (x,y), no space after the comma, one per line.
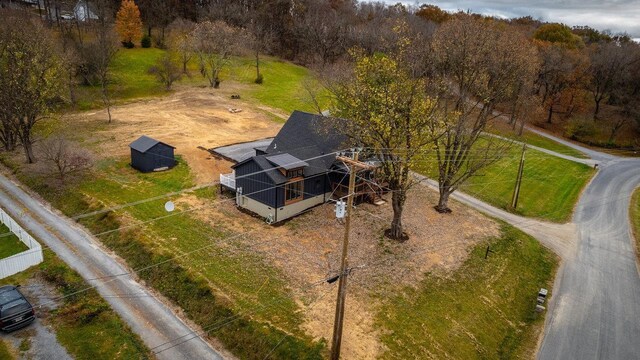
(297,171)
(83,12)
(148,155)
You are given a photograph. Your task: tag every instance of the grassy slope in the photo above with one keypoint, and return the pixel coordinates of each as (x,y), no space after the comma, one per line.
(283,87)
(484,310)
(536,140)
(550,187)
(188,281)
(635,217)
(84,324)
(130,78)
(10,245)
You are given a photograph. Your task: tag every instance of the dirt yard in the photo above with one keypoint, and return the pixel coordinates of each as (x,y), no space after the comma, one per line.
(191,119)
(308,247)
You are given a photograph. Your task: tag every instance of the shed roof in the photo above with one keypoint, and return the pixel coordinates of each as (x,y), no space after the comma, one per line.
(286,161)
(144,143)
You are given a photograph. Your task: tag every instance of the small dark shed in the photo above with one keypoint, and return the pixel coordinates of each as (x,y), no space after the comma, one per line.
(148,155)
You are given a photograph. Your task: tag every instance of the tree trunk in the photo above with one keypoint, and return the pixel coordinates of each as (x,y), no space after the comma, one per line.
(597,109)
(550,116)
(257,65)
(396,224)
(443,202)
(28,151)
(107,101)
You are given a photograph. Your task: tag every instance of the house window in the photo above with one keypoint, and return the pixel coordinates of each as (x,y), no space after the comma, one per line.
(293,191)
(295,173)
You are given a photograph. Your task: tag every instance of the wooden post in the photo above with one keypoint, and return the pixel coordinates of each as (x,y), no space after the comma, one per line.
(516,190)
(342,285)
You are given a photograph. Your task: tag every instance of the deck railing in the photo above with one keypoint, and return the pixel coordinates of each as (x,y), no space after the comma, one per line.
(228,180)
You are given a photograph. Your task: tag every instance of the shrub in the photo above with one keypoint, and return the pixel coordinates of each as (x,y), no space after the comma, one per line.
(128,44)
(578,128)
(145,42)
(259,79)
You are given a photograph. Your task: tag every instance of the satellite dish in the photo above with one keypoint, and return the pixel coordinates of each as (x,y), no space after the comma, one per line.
(169,206)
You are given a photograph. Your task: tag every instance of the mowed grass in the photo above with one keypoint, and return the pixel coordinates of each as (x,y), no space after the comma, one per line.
(286,86)
(634,213)
(550,186)
(483,310)
(130,79)
(9,243)
(83,321)
(534,139)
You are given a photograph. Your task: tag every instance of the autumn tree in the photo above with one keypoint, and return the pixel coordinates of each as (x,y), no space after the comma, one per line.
(562,71)
(214,43)
(432,13)
(128,23)
(558,34)
(181,42)
(389,113)
(30,78)
(609,61)
(479,67)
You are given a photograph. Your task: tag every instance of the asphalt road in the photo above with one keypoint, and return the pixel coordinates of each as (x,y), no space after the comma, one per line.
(595,308)
(156,324)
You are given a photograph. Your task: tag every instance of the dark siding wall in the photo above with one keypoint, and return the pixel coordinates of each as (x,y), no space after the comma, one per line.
(314,186)
(158,156)
(257,186)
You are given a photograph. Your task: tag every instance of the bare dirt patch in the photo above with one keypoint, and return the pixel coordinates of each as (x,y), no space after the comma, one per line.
(188,119)
(307,248)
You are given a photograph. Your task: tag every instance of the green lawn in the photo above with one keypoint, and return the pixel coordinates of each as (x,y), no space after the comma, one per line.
(483,310)
(217,280)
(284,84)
(131,78)
(84,324)
(550,186)
(10,244)
(634,213)
(534,139)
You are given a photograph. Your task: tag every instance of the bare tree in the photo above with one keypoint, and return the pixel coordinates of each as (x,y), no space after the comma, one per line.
(180,41)
(30,77)
(64,158)
(479,67)
(609,61)
(101,53)
(214,43)
(166,71)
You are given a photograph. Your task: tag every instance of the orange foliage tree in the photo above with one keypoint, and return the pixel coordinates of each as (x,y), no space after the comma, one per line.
(128,23)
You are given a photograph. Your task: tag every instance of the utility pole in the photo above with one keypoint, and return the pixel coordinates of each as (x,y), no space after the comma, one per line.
(516,190)
(354,166)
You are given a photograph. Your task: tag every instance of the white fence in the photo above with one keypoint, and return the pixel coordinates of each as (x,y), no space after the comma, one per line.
(21,261)
(228,180)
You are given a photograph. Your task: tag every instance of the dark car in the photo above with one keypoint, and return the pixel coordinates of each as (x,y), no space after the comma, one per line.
(15,311)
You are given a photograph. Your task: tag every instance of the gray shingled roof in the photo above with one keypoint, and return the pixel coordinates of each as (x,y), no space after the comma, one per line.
(144,143)
(286,161)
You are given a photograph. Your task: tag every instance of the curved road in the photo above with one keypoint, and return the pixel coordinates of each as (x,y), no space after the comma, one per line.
(595,309)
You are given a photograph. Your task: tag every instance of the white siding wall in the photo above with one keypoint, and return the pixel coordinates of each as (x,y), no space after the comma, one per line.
(19,262)
(283,212)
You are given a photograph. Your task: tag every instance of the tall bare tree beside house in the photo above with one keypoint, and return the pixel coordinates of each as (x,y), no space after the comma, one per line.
(479,66)
(30,77)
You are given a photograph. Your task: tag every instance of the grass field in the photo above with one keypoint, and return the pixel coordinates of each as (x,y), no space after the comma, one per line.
(550,186)
(10,244)
(634,213)
(284,84)
(283,87)
(84,323)
(130,79)
(534,139)
(216,281)
(484,310)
